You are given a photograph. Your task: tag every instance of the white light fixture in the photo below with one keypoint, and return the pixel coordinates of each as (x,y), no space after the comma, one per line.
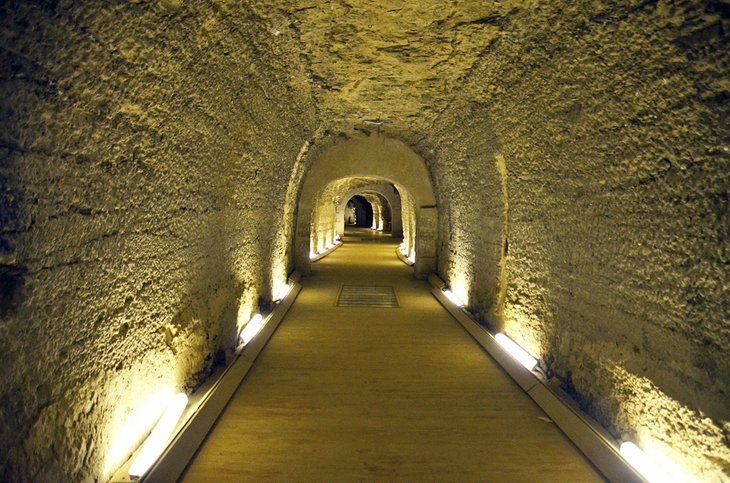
(337,237)
(155,444)
(638,459)
(412,258)
(252,328)
(282,292)
(450,295)
(312,255)
(516,351)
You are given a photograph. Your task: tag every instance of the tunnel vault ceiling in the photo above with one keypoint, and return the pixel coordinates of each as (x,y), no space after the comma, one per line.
(400,62)
(157,157)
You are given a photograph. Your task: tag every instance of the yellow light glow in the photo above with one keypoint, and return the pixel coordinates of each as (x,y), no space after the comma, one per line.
(454,299)
(155,444)
(643,464)
(668,465)
(134,417)
(312,255)
(252,328)
(516,351)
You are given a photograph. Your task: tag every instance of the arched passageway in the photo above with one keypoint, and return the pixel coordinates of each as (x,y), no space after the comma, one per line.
(348,168)
(390,198)
(154,154)
(361,211)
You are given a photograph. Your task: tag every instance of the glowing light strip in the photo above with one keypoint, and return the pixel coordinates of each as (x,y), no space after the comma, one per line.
(638,459)
(450,295)
(283,291)
(516,351)
(155,444)
(252,328)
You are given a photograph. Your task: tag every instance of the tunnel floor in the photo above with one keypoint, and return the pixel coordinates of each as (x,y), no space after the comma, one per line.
(350,393)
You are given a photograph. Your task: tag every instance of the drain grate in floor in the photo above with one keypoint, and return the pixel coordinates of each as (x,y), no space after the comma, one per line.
(367,296)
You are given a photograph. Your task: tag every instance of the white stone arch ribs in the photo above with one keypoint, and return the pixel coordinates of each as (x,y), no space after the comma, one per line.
(382,159)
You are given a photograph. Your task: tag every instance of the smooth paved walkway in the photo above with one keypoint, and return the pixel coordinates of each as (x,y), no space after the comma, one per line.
(386,394)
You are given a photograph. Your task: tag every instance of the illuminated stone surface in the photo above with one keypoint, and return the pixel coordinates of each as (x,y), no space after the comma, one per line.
(153,152)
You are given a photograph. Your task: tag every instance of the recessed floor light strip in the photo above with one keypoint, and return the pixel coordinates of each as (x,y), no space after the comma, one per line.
(313,257)
(590,438)
(211,399)
(404,258)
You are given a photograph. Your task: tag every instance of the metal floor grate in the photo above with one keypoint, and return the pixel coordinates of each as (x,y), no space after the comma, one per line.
(367,296)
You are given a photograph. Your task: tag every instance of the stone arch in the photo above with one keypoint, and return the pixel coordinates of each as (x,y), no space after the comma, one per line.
(377,203)
(383,189)
(378,158)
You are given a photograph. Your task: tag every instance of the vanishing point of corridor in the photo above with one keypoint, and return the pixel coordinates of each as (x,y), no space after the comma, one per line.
(399,394)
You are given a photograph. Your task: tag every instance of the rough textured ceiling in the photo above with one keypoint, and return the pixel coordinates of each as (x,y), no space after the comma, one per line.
(400,61)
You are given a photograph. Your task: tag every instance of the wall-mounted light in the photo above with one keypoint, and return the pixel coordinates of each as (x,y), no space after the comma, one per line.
(516,351)
(412,258)
(312,255)
(252,328)
(450,295)
(337,237)
(641,462)
(155,444)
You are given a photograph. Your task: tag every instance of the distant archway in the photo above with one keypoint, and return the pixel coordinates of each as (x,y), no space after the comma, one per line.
(378,159)
(363,211)
(388,192)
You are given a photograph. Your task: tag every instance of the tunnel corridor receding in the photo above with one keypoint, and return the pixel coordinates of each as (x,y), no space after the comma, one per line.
(372,164)
(562,166)
(345,393)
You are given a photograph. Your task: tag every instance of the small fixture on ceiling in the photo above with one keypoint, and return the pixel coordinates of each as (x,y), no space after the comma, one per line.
(377,122)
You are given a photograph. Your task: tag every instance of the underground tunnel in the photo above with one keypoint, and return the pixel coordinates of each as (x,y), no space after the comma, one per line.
(167,167)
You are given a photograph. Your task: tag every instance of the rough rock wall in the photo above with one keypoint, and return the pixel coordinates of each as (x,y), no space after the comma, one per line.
(145,155)
(611,121)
